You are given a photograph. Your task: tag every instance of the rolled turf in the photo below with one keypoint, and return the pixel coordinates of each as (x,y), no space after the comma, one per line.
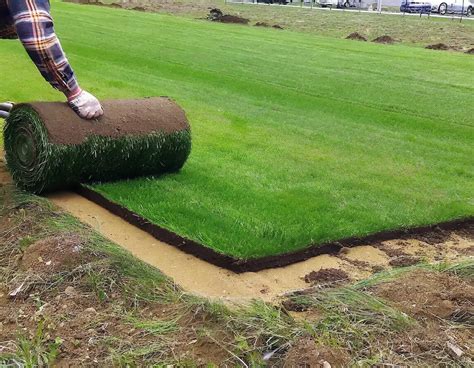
(48,147)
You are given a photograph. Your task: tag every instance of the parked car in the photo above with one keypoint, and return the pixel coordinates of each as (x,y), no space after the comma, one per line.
(409,6)
(443,7)
(338,3)
(328,3)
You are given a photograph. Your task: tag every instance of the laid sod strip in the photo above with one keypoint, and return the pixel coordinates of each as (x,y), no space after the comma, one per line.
(257,264)
(48,147)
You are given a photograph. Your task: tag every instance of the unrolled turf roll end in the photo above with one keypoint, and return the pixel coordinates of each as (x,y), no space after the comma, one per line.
(48,147)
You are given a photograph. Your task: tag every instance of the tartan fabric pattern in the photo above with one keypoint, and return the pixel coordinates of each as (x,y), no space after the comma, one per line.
(34,26)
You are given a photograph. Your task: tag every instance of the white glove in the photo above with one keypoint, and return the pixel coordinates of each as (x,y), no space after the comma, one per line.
(86,106)
(5,108)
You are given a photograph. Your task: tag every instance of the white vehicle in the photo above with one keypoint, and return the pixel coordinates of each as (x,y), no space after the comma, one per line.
(328,3)
(465,7)
(337,3)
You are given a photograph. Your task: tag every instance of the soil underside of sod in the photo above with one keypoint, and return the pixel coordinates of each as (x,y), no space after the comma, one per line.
(117,122)
(258,264)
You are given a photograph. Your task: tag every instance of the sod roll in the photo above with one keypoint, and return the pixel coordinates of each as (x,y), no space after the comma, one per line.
(48,147)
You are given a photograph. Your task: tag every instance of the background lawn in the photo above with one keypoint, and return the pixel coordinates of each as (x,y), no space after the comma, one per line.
(410,30)
(298,139)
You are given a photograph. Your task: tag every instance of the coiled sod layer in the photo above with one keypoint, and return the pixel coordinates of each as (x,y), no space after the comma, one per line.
(39,165)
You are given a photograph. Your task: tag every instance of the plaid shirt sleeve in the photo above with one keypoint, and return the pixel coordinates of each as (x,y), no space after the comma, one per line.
(35,29)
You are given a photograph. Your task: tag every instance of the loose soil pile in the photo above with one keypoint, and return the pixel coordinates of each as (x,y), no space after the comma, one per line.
(404,261)
(384,39)
(307,353)
(326,275)
(264,24)
(216,15)
(356,36)
(438,46)
(429,295)
(53,254)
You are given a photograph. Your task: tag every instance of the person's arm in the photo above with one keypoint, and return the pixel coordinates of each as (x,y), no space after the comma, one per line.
(35,29)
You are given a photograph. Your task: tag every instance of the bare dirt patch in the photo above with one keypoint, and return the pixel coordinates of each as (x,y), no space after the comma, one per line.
(216,15)
(404,261)
(53,254)
(442,306)
(386,39)
(266,25)
(356,36)
(470,52)
(326,275)
(429,295)
(438,46)
(307,353)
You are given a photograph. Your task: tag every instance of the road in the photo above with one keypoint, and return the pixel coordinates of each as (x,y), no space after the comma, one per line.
(450,16)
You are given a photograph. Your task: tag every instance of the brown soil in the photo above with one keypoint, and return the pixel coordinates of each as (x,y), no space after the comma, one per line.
(306,353)
(384,39)
(471,51)
(356,36)
(233,19)
(429,295)
(262,24)
(438,46)
(391,251)
(52,254)
(277,26)
(404,261)
(121,117)
(69,306)
(216,15)
(326,275)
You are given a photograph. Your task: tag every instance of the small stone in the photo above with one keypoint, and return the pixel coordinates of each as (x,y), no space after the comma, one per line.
(90,310)
(70,291)
(326,365)
(454,350)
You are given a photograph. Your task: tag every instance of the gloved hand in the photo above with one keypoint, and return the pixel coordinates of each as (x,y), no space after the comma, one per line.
(5,108)
(86,106)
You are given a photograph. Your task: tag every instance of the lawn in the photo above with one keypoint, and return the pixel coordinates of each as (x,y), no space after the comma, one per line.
(296,140)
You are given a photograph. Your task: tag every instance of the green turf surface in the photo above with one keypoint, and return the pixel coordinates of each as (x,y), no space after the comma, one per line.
(297,139)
